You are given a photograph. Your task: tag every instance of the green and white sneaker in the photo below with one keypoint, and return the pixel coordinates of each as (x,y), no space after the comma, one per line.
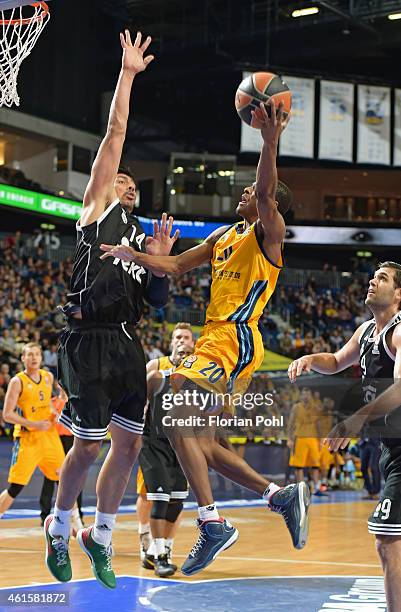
(100,558)
(57,557)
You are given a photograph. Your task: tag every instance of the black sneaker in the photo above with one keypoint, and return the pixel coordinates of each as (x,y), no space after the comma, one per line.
(145,540)
(148,562)
(169,557)
(163,568)
(293,503)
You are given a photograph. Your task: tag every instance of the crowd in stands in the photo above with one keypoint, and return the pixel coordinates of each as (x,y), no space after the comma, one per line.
(16,178)
(316,318)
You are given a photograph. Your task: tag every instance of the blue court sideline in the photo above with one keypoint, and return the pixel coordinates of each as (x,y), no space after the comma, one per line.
(276,594)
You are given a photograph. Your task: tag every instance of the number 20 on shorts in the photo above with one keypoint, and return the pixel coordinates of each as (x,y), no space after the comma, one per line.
(212,372)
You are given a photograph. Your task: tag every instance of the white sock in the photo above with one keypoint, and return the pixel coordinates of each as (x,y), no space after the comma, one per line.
(170,544)
(60,525)
(271,490)
(151,549)
(143,528)
(103,528)
(208,513)
(76,519)
(1,514)
(160,548)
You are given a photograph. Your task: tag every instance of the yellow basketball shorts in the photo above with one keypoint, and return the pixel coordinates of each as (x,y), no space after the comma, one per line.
(306,453)
(326,457)
(42,449)
(225,358)
(140,483)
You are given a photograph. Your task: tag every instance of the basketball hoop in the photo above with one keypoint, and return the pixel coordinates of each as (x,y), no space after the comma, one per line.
(19,32)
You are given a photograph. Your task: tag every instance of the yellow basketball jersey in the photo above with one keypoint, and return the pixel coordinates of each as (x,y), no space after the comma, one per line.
(243,278)
(305,422)
(34,400)
(165,363)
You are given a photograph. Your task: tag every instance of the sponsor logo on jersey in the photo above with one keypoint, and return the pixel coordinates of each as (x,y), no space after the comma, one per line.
(226,274)
(132,268)
(188,363)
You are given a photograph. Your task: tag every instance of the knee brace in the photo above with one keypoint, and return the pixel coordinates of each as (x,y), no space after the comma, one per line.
(159,510)
(14,490)
(173,510)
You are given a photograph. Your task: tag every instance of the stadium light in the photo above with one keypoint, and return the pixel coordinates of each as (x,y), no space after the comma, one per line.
(311,10)
(394,16)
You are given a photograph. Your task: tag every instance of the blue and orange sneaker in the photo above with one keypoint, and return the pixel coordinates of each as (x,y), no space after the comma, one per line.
(293,503)
(214,537)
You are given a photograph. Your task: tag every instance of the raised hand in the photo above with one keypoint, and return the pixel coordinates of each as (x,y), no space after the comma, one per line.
(133,54)
(272,126)
(162,241)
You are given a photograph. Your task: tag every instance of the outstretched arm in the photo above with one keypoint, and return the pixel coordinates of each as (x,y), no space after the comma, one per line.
(384,404)
(104,170)
(171,265)
(266,175)
(327,363)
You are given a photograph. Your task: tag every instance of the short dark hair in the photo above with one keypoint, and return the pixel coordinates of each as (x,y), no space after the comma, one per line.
(283,197)
(125,170)
(395,266)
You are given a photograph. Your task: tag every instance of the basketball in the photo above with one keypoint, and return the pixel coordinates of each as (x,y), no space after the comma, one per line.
(260,87)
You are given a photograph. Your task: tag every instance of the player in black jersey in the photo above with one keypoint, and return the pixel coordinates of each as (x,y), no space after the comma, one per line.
(182,336)
(165,481)
(377,346)
(101,361)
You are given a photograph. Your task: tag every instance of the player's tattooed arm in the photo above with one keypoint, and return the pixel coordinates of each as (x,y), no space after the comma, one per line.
(104,170)
(175,265)
(327,363)
(266,175)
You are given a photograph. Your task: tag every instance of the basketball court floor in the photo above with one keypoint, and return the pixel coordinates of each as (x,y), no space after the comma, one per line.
(337,570)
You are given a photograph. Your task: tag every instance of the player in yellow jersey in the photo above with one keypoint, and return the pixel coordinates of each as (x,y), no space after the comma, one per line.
(182,337)
(246,260)
(305,438)
(36,442)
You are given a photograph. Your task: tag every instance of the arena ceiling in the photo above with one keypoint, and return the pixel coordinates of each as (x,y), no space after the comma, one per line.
(185,100)
(201,47)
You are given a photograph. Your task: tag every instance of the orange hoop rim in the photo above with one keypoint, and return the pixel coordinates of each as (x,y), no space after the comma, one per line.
(28,20)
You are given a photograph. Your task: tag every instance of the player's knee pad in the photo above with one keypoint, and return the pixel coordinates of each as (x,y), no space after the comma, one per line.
(14,490)
(159,510)
(173,510)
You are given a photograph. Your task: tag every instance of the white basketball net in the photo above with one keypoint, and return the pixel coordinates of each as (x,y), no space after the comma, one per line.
(16,42)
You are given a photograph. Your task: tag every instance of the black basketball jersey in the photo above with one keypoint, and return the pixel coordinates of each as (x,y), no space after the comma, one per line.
(157,409)
(377,365)
(110,290)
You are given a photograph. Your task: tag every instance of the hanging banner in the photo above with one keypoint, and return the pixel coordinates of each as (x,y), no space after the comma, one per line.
(373,125)
(336,124)
(251,140)
(297,139)
(397,127)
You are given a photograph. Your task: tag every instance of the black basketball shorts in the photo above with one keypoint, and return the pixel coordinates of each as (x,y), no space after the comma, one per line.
(162,473)
(102,368)
(386,518)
